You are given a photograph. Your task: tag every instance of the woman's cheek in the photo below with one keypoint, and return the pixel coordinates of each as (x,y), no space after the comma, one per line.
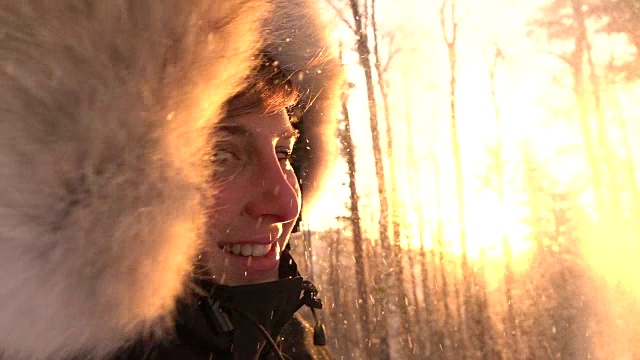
(227,194)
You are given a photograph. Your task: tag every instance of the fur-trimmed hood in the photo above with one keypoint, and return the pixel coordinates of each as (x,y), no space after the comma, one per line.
(105,111)
(298,39)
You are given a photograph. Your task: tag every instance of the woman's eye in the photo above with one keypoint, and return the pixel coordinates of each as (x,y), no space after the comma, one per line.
(226,161)
(284,154)
(223,156)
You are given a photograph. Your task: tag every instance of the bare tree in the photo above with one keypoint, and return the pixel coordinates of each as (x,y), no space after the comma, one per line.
(354,219)
(630,166)
(394,209)
(509,323)
(558,296)
(336,319)
(359,27)
(620,17)
(418,261)
(601,128)
(451,337)
(449,26)
(564,20)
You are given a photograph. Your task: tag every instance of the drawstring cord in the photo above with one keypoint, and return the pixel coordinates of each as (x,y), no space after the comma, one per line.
(264,332)
(219,321)
(311,299)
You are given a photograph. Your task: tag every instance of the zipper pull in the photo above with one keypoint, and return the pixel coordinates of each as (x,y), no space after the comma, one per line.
(319,336)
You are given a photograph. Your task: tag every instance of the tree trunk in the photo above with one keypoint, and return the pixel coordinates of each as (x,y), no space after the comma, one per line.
(336,288)
(354,219)
(631,169)
(509,324)
(593,158)
(308,251)
(362,44)
(424,328)
(450,36)
(488,349)
(417,324)
(601,129)
(394,210)
(449,347)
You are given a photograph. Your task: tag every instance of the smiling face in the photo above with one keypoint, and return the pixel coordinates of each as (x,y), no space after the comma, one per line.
(257,199)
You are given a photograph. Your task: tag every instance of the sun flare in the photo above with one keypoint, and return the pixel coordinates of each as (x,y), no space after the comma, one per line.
(520,114)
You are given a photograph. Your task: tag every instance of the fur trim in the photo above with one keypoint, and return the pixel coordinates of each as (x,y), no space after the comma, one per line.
(105,111)
(301,42)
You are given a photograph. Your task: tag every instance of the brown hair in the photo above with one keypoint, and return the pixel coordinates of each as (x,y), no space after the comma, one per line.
(269,87)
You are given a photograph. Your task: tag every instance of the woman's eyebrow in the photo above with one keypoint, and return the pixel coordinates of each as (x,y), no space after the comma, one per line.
(234,130)
(239,130)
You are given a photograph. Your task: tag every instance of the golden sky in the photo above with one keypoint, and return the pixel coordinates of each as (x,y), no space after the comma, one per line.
(534,107)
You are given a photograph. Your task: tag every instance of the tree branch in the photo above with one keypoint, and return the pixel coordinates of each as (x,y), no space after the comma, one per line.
(393,52)
(562,57)
(340,13)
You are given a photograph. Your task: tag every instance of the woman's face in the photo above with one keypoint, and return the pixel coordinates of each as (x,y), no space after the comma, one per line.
(257,199)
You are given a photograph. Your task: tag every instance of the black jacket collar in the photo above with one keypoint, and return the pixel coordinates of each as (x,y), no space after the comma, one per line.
(236,320)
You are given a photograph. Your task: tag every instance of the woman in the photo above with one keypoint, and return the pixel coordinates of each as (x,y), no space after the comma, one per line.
(106,108)
(247,287)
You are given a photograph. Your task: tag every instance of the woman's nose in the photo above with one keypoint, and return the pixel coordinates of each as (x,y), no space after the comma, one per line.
(276,195)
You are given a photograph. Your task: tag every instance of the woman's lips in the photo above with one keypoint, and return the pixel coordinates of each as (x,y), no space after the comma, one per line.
(266,258)
(247,249)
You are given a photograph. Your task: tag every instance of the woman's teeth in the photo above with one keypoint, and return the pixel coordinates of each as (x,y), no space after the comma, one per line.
(247,250)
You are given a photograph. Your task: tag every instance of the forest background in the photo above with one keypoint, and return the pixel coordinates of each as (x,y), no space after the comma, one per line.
(486,202)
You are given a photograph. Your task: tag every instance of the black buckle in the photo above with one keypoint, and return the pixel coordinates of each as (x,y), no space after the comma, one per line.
(310,295)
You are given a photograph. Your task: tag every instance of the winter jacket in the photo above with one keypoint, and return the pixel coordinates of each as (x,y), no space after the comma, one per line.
(224,322)
(106,109)
(295,342)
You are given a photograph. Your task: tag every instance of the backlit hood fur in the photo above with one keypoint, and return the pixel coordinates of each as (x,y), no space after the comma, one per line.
(106,109)
(300,40)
